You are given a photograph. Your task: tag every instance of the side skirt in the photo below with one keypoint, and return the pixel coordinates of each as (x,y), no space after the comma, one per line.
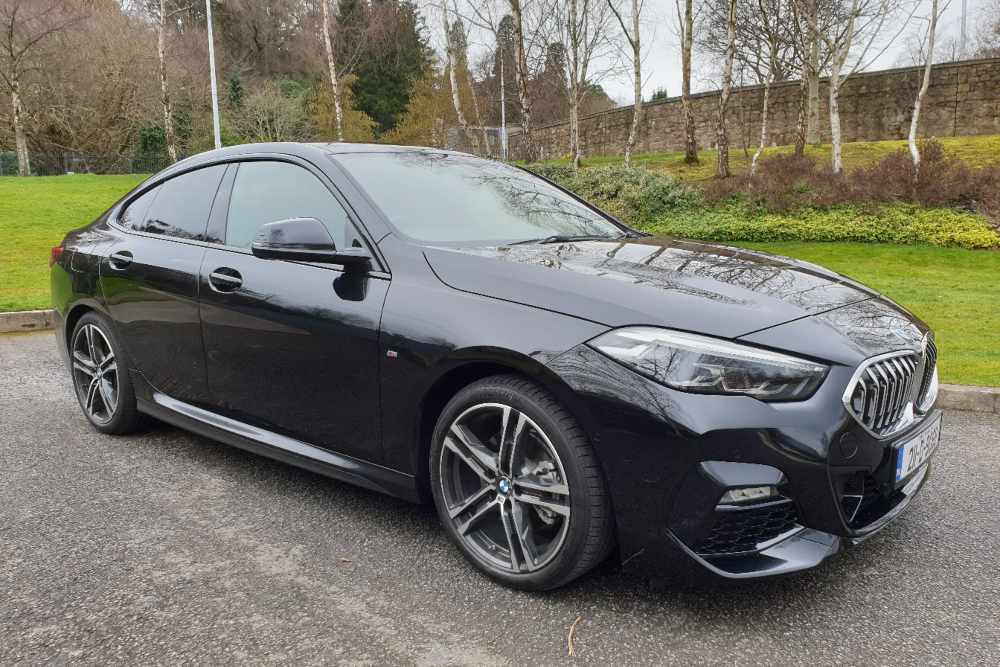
(279,447)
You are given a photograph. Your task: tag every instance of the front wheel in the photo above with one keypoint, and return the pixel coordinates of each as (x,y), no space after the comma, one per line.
(517,485)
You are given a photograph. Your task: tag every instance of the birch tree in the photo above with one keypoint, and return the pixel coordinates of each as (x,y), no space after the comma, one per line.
(26,27)
(331,64)
(633,39)
(452,67)
(521,78)
(857,28)
(722,138)
(769,23)
(161,54)
(929,60)
(585,27)
(686,23)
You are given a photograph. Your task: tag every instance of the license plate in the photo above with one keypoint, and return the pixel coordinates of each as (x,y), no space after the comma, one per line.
(912,454)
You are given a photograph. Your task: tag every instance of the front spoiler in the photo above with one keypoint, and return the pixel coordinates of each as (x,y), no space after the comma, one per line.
(671,560)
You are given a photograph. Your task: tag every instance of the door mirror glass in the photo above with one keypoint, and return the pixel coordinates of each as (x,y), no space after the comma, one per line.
(304,240)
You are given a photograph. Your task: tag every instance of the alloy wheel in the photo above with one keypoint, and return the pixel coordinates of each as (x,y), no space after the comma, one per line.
(504,488)
(95,373)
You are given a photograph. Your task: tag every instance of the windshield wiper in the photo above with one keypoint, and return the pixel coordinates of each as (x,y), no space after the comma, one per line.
(565,238)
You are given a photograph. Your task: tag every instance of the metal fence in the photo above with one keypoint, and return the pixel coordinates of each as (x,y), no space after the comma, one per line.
(68,163)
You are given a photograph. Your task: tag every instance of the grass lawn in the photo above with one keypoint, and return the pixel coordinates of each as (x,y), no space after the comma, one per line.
(975,151)
(953,290)
(35,214)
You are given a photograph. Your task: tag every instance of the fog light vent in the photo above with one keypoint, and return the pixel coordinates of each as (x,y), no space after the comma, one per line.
(749,494)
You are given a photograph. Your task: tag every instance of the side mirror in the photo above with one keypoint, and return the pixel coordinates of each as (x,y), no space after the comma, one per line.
(304,240)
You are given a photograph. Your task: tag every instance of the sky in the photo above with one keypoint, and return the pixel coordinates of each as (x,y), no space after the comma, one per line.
(662,65)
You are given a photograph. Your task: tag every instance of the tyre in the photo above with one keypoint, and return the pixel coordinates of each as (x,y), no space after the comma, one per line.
(101,377)
(517,485)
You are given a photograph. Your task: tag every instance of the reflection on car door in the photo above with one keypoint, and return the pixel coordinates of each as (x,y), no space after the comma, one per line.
(292,347)
(149,278)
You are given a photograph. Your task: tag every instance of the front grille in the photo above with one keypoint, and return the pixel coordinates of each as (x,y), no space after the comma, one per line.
(930,363)
(883,390)
(738,531)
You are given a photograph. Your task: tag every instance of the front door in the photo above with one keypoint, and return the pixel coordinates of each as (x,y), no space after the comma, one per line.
(149,278)
(290,346)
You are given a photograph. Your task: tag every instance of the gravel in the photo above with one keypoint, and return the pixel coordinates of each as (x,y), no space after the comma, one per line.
(168,548)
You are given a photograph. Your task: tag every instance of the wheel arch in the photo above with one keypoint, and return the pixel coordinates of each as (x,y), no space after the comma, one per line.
(456,378)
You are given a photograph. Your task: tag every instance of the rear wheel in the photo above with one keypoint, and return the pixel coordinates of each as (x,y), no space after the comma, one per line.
(101,377)
(517,485)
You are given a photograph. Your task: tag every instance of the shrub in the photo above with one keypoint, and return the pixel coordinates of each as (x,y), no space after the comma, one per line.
(902,224)
(789,182)
(637,196)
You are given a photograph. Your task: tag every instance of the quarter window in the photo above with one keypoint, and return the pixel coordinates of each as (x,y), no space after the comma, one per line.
(270,191)
(134,217)
(183,204)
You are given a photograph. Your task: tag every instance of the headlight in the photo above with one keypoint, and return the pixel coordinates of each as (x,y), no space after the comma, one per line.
(709,365)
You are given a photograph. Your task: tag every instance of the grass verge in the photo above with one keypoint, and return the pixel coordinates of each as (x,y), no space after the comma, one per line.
(949,288)
(35,214)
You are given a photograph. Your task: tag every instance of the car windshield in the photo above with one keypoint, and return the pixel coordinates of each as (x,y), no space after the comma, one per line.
(463,200)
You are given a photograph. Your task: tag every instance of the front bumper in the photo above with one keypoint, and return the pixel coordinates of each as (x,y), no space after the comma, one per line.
(669,456)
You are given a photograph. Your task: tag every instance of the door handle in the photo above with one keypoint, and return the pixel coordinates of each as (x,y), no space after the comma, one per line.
(120,259)
(225,279)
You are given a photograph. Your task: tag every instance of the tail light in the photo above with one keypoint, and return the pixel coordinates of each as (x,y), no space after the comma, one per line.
(54,257)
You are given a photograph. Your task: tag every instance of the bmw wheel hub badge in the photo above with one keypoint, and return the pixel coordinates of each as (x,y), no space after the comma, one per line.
(504,486)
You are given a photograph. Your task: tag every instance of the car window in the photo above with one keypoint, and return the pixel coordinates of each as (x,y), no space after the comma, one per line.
(270,191)
(452,199)
(183,204)
(134,217)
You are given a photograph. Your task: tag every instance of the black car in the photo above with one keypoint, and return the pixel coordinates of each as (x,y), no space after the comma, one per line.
(453,330)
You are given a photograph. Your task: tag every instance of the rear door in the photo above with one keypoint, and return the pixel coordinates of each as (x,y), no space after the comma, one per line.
(293,346)
(149,278)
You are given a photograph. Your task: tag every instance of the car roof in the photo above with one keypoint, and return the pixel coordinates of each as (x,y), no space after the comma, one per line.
(304,150)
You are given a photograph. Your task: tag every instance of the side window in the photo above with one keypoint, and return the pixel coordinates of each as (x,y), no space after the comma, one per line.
(134,217)
(183,204)
(271,191)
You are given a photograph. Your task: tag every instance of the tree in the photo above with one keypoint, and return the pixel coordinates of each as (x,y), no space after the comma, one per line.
(350,125)
(914,151)
(332,69)
(452,67)
(771,34)
(722,138)
(687,40)
(161,54)
(427,117)
(26,27)
(268,114)
(632,37)
(521,77)
(859,24)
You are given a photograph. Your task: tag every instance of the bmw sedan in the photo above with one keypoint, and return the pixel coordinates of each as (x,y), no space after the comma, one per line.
(461,332)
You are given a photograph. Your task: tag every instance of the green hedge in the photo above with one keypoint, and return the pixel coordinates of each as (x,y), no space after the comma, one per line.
(657,203)
(902,224)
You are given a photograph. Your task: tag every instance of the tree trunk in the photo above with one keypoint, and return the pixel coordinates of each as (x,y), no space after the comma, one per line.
(690,141)
(521,78)
(453,80)
(722,138)
(800,123)
(835,141)
(331,64)
(914,151)
(637,80)
(812,74)
(20,143)
(161,52)
(772,54)
(574,128)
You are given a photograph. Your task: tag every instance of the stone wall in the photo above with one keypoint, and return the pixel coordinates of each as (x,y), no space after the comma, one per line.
(963,99)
